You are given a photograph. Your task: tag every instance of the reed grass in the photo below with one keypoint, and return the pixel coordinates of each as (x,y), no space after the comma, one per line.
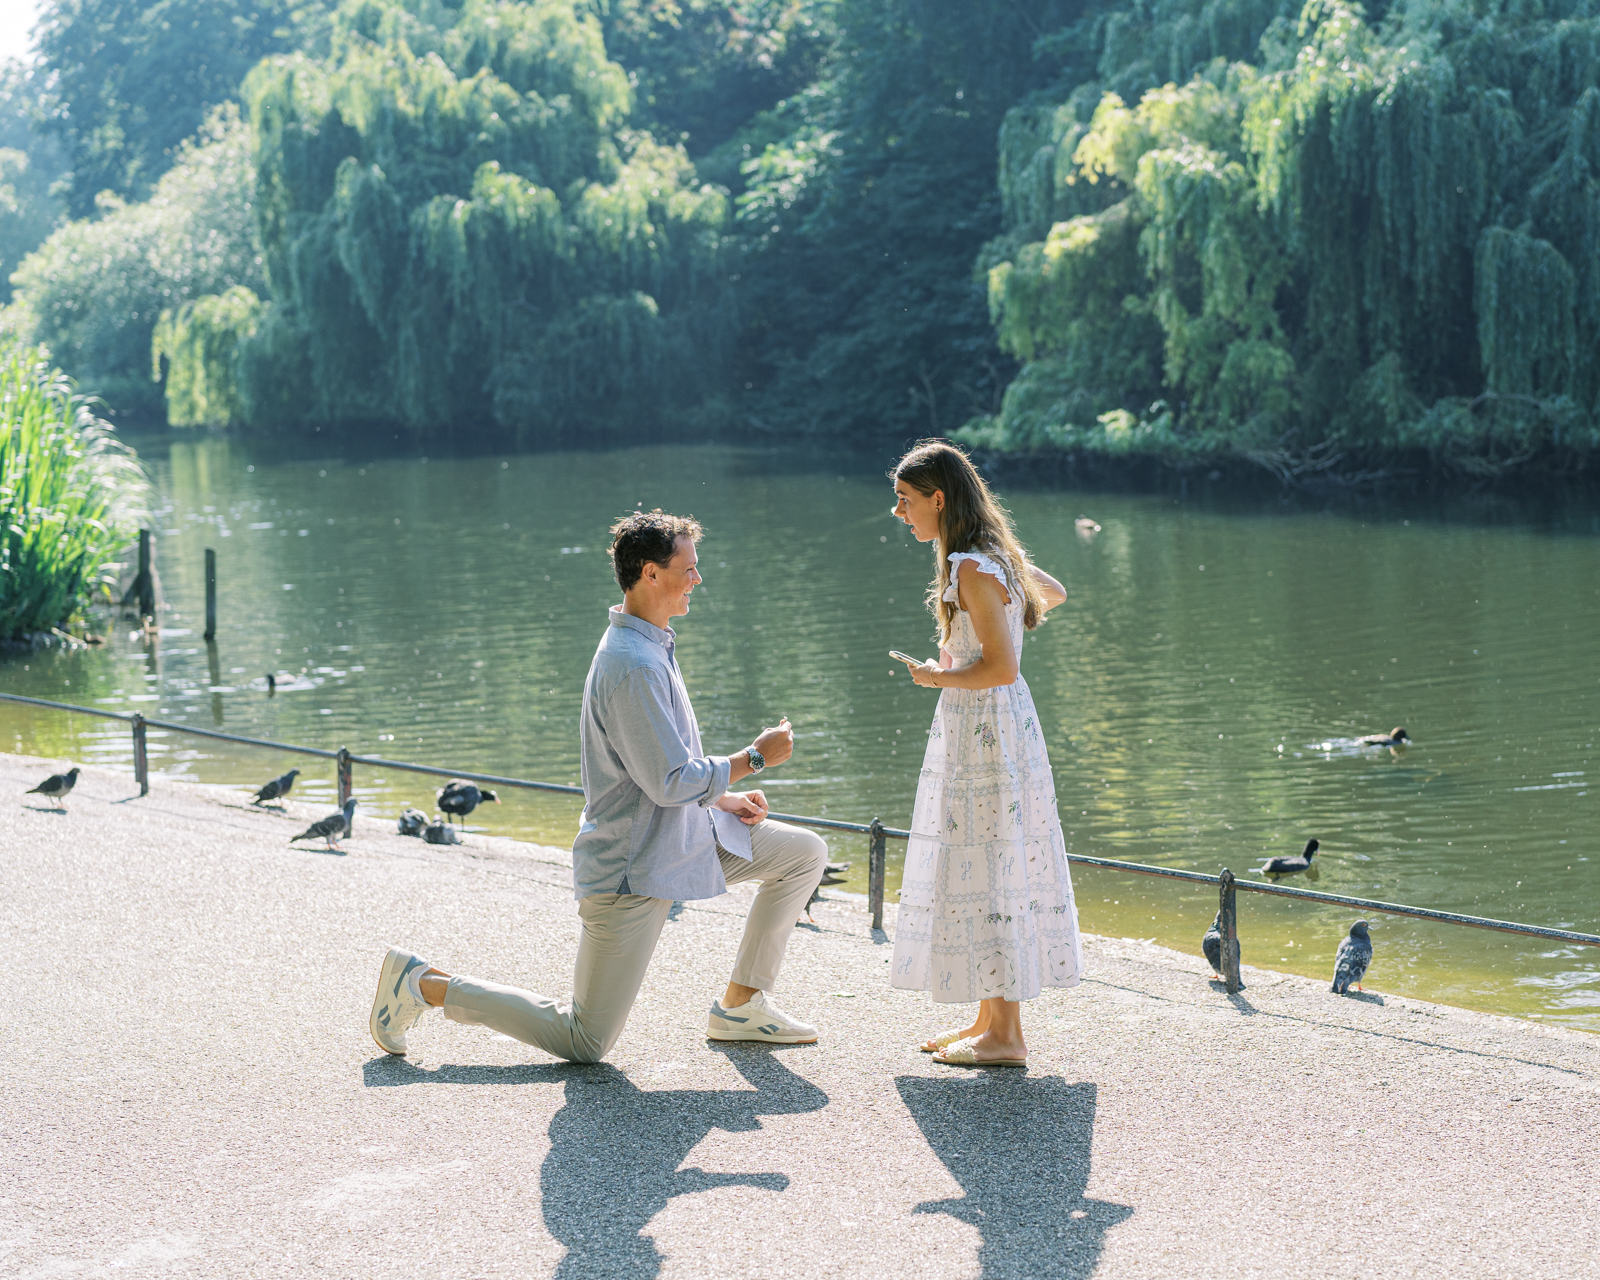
(71,496)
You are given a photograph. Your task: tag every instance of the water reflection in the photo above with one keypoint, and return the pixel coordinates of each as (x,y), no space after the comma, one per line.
(445,610)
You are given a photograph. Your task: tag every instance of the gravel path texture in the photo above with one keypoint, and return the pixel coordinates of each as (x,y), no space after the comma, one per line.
(187,1087)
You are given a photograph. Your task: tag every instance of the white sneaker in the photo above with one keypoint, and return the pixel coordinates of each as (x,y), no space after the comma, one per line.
(398,1003)
(758,1019)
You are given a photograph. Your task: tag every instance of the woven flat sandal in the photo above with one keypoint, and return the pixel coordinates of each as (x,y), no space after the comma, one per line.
(960,1055)
(941,1041)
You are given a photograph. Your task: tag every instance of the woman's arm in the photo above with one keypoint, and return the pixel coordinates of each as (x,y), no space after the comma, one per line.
(1052,591)
(985,598)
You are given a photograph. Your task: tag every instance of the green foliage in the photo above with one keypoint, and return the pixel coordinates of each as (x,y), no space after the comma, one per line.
(460,230)
(94,290)
(858,230)
(130,80)
(30,166)
(1349,236)
(702,69)
(71,496)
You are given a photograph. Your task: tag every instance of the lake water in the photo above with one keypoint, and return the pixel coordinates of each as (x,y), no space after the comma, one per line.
(445,610)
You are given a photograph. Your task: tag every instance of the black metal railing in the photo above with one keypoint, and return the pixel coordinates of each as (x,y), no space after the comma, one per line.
(877,835)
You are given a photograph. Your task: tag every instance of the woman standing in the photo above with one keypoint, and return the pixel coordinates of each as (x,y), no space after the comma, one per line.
(986,909)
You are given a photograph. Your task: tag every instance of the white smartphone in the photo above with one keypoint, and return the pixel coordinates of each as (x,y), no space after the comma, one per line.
(905,658)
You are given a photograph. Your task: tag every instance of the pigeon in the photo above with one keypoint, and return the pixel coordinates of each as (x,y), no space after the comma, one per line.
(1288,866)
(440,832)
(1396,737)
(1354,955)
(1211,945)
(458,798)
(278,788)
(56,787)
(336,824)
(412,821)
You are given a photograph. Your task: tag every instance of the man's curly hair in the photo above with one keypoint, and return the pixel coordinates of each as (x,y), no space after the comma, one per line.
(642,537)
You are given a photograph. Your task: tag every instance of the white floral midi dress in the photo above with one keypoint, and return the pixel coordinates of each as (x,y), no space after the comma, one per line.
(986,906)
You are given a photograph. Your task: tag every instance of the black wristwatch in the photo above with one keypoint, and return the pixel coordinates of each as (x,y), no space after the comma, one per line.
(758,762)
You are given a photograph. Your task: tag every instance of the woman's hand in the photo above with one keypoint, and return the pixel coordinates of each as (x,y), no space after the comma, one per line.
(923,674)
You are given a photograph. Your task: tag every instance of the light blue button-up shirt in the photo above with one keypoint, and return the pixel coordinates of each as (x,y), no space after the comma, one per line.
(646,783)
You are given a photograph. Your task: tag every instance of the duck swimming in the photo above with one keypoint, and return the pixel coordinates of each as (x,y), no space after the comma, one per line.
(1396,737)
(1288,866)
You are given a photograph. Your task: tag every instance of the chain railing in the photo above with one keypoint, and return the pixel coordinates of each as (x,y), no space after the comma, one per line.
(877,835)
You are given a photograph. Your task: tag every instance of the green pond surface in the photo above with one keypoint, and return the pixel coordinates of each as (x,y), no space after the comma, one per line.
(1194,687)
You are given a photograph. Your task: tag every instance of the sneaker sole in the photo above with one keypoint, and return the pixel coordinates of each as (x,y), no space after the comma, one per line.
(756,1035)
(393,965)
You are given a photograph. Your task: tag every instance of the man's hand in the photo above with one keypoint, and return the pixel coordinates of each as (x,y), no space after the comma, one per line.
(750,807)
(776,745)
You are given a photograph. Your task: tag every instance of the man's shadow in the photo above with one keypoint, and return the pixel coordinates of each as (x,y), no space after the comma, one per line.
(1020,1148)
(615,1148)
(615,1151)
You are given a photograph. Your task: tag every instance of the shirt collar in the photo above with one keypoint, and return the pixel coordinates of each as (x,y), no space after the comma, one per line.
(649,630)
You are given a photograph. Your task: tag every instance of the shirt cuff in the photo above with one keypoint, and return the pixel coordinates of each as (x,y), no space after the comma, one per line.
(720,767)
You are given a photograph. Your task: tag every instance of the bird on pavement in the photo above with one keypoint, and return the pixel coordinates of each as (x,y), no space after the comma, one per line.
(1351,961)
(336,824)
(412,821)
(278,788)
(440,832)
(459,798)
(1211,945)
(56,787)
(1288,866)
(1396,737)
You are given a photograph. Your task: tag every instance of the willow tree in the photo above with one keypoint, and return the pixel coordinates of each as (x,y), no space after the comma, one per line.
(459,228)
(1315,233)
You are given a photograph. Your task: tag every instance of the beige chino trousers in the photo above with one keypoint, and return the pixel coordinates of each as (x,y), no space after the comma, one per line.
(619,936)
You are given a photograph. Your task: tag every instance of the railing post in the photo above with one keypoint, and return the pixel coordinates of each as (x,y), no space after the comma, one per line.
(1229,928)
(877,854)
(141,757)
(346,768)
(147,581)
(211,595)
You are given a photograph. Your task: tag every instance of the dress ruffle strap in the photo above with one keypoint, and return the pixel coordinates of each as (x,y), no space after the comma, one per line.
(986,564)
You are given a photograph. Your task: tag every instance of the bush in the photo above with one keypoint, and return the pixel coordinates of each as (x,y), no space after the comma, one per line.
(94,290)
(71,496)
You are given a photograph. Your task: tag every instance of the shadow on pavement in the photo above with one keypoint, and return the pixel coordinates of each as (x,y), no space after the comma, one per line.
(615,1148)
(1019,1146)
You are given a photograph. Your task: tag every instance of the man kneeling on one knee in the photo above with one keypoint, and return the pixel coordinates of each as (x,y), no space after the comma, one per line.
(658,824)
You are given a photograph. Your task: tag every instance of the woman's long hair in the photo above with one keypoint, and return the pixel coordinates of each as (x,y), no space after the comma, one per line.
(972,520)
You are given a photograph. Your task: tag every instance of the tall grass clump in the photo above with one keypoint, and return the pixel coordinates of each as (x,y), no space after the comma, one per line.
(71,495)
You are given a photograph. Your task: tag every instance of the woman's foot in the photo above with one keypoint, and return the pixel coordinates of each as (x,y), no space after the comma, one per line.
(949,1037)
(990,1046)
(946,1038)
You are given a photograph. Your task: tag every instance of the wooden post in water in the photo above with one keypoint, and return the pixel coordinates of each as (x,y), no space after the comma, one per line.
(346,769)
(211,595)
(141,758)
(1229,928)
(877,854)
(147,580)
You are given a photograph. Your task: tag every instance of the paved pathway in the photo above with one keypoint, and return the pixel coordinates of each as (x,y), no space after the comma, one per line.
(187,1088)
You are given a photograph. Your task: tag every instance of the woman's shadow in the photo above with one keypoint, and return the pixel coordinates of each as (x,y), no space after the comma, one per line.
(1020,1148)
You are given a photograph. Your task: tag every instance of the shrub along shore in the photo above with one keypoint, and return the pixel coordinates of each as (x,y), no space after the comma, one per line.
(71,496)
